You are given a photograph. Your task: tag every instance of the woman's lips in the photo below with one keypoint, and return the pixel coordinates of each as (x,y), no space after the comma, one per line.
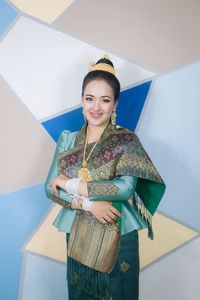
(95,115)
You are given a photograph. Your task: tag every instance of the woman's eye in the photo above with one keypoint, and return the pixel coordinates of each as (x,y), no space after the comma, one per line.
(88,99)
(106,100)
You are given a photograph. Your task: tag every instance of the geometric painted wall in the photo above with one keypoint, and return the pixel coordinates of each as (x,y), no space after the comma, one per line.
(41,70)
(28,89)
(169,129)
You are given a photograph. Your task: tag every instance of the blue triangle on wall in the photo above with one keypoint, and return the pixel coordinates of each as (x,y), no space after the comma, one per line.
(72,121)
(131,102)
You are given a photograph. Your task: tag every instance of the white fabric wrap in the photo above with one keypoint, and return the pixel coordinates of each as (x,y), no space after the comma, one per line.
(71,186)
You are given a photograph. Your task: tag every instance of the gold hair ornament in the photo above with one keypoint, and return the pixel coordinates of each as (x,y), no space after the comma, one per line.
(102,66)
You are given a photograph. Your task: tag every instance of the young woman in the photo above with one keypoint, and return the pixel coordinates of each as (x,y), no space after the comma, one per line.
(109,189)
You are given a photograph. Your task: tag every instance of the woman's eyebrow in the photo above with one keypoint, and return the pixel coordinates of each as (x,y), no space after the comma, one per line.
(101,96)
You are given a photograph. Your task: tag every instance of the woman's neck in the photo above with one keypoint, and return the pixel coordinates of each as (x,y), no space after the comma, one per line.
(94,132)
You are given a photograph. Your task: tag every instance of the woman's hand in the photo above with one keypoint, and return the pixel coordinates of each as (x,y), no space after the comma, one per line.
(58,181)
(104,211)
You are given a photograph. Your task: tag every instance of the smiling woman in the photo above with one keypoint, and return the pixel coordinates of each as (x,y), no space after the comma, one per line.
(109,189)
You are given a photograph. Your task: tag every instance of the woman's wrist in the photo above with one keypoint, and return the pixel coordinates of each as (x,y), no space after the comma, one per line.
(72,186)
(81,202)
(86,204)
(75,186)
(78,189)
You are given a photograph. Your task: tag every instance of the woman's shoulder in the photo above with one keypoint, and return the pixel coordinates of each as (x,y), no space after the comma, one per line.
(65,132)
(126,132)
(65,135)
(128,139)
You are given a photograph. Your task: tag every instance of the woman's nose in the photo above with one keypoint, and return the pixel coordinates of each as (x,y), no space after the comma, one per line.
(96,105)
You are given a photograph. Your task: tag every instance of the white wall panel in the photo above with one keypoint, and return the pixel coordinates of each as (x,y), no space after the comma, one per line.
(46,67)
(176,277)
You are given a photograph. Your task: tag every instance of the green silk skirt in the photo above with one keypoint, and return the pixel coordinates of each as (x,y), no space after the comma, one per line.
(124,277)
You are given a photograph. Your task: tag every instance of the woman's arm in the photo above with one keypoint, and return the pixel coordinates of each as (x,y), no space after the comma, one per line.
(118,189)
(62,197)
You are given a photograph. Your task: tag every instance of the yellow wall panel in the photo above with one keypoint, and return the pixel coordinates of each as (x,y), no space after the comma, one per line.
(45,10)
(169,234)
(47,240)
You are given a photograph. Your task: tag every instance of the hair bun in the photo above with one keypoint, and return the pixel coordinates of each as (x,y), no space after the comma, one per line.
(103,64)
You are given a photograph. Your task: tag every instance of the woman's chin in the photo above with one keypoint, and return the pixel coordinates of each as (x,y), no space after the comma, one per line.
(97,121)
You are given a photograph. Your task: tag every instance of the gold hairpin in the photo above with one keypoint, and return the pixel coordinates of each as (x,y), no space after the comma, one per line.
(102,66)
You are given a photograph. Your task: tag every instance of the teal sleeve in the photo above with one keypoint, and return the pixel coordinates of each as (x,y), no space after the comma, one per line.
(63,198)
(118,189)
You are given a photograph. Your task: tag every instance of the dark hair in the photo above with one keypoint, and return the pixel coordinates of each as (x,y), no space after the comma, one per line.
(107,76)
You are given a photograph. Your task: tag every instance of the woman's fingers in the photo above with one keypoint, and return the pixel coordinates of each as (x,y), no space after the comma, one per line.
(115,211)
(108,219)
(111,215)
(111,208)
(54,187)
(58,181)
(55,191)
(105,212)
(102,220)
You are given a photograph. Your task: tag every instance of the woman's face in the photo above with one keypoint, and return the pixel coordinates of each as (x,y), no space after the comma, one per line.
(98,102)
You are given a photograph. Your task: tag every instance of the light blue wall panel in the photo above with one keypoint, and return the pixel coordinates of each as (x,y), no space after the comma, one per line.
(44,279)
(169,129)
(7,15)
(20,213)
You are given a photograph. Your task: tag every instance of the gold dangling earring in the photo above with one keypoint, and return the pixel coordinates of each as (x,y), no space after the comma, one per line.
(113,117)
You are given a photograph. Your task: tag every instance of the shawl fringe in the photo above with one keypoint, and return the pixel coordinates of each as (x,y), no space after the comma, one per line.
(145,214)
(90,281)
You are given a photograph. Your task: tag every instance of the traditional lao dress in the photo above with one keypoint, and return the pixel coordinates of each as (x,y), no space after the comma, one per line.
(103,259)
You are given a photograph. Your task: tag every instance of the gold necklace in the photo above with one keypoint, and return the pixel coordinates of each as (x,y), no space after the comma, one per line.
(84,172)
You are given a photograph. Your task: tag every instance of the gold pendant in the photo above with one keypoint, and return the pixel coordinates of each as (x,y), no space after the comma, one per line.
(84,174)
